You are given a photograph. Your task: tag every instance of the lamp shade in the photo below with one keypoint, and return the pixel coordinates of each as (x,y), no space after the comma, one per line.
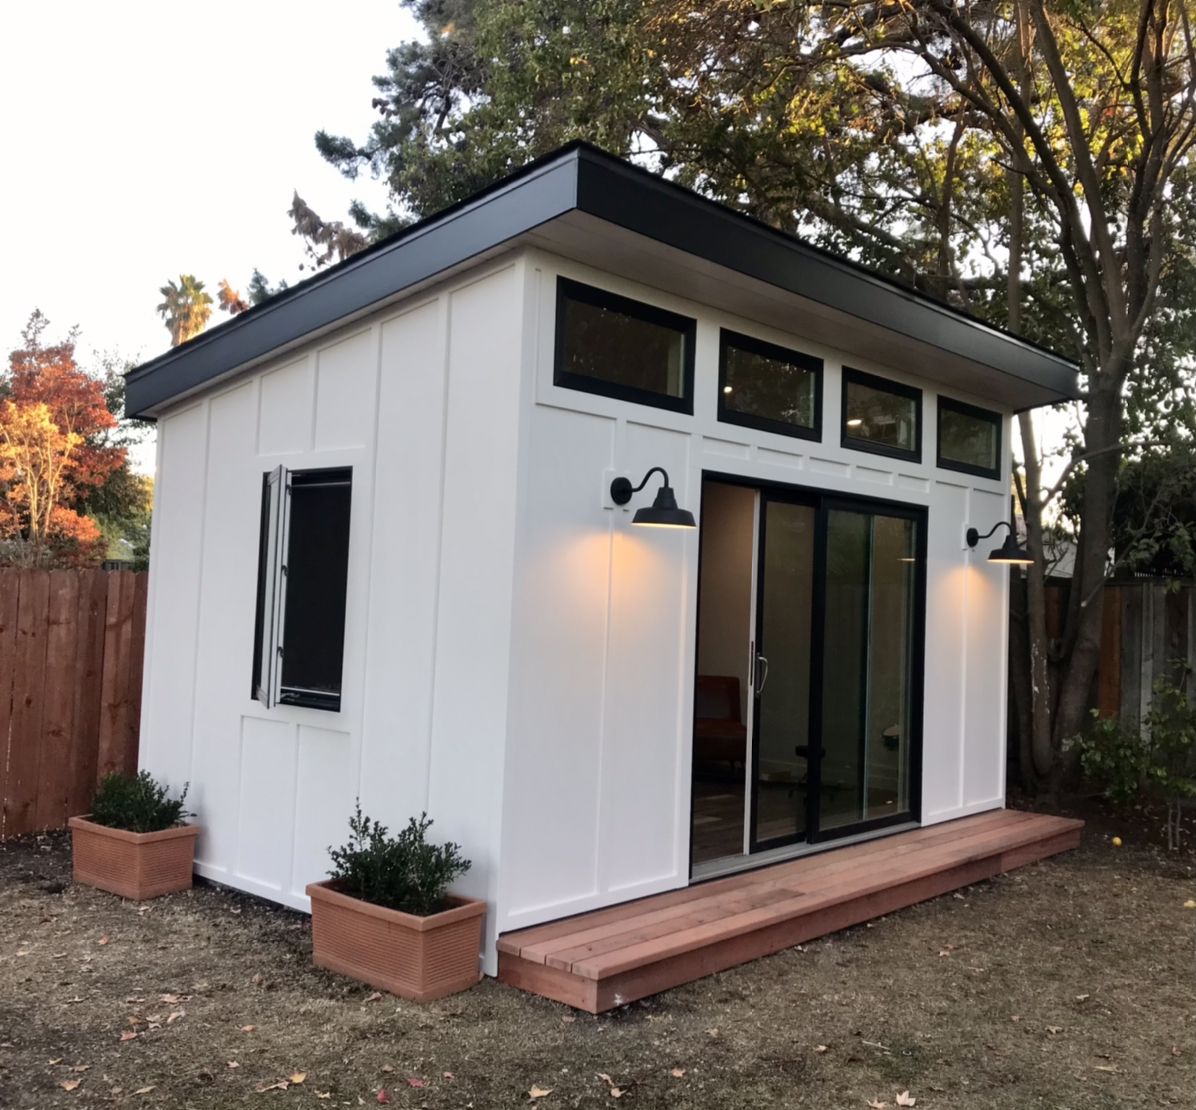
(664,513)
(1010,552)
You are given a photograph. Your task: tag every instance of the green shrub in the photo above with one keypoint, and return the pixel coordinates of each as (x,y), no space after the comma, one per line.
(137,804)
(402,872)
(1155,762)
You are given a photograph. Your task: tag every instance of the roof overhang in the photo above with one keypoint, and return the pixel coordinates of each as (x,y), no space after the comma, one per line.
(593,207)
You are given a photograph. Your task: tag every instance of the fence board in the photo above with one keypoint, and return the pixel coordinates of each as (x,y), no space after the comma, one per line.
(58,704)
(71,649)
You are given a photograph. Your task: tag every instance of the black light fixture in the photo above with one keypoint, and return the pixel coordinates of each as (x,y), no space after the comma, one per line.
(664,512)
(1009,552)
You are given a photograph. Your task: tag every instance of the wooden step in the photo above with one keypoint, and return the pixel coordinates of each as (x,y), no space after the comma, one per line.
(596,961)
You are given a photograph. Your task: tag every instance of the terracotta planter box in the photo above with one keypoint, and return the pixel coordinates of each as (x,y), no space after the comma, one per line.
(133,865)
(414,957)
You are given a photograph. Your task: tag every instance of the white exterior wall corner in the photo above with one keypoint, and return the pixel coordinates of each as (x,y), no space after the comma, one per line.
(422,400)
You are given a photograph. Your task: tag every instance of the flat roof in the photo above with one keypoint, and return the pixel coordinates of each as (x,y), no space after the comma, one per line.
(582,179)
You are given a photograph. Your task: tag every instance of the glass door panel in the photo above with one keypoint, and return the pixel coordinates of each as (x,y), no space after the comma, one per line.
(867,673)
(781,678)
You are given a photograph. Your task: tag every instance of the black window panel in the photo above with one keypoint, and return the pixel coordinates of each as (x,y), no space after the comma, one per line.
(881,416)
(765,386)
(317,572)
(622,348)
(969,439)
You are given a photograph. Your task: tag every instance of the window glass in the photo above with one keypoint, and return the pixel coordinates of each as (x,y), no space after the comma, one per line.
(302,582)
(766,386)
(969,438)
(881,416)
(619,347)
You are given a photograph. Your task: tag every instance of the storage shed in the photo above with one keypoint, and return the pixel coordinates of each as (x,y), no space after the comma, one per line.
(396,553)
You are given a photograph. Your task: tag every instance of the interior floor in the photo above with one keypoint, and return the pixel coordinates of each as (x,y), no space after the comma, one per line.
(718,810)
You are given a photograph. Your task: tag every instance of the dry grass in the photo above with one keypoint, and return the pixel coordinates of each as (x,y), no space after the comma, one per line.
(1069,984)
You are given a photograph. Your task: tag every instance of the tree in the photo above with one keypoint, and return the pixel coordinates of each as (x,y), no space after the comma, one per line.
(1028,160)
(186,308)
(57,448)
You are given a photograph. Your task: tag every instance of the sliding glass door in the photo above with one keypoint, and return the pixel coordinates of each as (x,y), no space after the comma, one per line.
(836,668)
(868,668)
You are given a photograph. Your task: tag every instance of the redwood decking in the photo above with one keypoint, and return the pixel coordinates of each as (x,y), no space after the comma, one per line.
(597,961)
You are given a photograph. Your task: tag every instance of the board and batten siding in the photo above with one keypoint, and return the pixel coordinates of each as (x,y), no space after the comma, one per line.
(518,661)
(597,806)
(422,401)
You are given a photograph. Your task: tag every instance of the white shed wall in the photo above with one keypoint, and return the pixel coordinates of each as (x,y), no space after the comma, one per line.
(518,661)
(423,402)
(598,759)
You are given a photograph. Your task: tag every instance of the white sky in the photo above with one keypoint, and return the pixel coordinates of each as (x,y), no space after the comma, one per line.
(142,140)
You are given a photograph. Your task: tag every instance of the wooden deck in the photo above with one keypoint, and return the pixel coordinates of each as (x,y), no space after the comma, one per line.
(597,961)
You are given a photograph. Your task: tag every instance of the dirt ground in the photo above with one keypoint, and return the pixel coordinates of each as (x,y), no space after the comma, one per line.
(1069,984)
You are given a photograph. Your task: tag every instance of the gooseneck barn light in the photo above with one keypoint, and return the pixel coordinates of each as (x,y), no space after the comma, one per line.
(1009,552)
(663,512)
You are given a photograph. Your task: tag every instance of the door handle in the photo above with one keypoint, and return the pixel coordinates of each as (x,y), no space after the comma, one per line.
(761,673)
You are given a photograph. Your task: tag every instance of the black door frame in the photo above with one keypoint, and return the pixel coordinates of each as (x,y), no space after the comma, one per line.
(825,501)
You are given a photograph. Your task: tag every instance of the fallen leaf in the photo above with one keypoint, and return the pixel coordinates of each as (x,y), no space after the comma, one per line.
(569,1019)
(415,1081)
(387,1068)
(81,1068)
(677,1073)
(876,1104)
(616,1092)
(104,939)
(712,1032)
(820,1049)
(175,1015)
(128,1035)
(375,997)
(1053,1029)
(281,1085)
(383,1096)
(248,1028)
(906,1099)
(169,999)
(1175,1050)
(144,1090)
(604,1077)
(323,1094)
(69,1084)
(1190,904)
(539,1092)
(233,1064)
(447,1075)
(1083,997)
(297,1077)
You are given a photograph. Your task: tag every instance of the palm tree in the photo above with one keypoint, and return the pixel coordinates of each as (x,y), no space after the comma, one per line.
(186,308)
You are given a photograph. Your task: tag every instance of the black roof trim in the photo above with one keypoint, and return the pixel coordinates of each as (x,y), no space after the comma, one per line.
(584,178)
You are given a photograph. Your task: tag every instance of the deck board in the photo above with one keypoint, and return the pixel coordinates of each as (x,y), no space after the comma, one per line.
(595,961)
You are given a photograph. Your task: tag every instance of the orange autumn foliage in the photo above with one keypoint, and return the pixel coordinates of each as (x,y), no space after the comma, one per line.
(53,452)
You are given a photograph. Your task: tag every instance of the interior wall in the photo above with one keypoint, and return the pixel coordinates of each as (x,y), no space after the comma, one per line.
(725,584)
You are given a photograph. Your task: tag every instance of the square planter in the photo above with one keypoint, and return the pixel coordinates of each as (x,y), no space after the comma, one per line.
(414,957)
(133,865)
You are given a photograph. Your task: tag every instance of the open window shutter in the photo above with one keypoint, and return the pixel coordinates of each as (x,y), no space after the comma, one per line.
(274,601)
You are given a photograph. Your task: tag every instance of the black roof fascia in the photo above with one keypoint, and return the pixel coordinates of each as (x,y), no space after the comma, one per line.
(517,204)
(584,178)
(613,190)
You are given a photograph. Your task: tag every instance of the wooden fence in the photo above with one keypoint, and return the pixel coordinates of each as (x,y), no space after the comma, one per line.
(71,647)
(1149,634)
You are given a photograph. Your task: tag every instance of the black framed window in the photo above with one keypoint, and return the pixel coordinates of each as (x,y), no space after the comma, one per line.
(302,582)
(622,348)
(969,439)
(881,416)
(764,386)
